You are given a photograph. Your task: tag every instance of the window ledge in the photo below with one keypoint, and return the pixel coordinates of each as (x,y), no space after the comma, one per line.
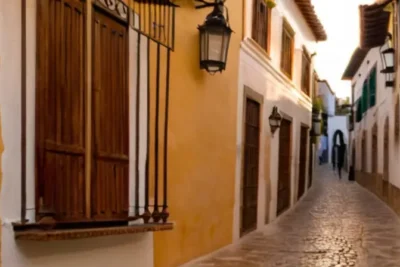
(69,234)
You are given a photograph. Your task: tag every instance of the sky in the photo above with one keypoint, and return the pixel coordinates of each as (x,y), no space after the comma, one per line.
(340,19)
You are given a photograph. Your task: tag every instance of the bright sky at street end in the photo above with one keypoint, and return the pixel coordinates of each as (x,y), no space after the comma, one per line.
(341,22)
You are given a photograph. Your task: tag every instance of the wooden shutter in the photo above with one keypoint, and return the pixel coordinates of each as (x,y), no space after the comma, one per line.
(260,30)
(365,97)
(287,49)
(60,106)
(359,110)
(372,88)
(306,74)
(110,174)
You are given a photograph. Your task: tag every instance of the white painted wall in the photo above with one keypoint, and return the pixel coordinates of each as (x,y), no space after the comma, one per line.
(327,98)
(337,123)
(384,108)
(129,250)
(263,75)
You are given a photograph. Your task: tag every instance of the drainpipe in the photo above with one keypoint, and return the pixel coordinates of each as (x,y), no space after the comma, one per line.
(23,111)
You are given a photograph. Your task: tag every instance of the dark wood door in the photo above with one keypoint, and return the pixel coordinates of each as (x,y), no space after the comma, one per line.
(302,162)
(250,168)
(110,174)
(284,167)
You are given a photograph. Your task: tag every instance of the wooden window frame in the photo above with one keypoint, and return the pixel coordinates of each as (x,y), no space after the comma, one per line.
(256,23)
(306,76)
(287,31)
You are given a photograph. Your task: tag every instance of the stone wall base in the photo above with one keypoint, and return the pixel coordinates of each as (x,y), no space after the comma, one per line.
(375,183)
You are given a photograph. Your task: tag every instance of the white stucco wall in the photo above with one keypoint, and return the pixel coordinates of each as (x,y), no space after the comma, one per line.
(383,108)
(337,123)
(262,74)
(328,98)
(129,250)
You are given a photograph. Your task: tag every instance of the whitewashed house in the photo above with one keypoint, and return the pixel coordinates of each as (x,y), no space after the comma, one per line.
(375,149)
(276,70)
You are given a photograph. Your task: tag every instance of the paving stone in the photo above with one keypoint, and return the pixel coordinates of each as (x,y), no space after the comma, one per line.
(338,223)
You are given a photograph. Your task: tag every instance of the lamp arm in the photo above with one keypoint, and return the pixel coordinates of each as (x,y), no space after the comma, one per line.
(209,4)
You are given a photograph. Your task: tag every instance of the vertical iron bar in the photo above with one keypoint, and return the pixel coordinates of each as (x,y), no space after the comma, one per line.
(169,26)
(137,125)
(150,18)
(164,24)
(156,214)
(23,111)
(165,213)
(173,28)
(147,214)
(158,21)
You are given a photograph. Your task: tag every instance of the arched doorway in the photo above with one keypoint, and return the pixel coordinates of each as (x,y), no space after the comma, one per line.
(338,141)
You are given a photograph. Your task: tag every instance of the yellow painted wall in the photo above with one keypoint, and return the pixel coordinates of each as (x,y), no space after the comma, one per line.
(202,144)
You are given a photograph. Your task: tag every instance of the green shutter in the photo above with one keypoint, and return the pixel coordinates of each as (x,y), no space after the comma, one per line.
(359,110)
(364,98)
(372,88)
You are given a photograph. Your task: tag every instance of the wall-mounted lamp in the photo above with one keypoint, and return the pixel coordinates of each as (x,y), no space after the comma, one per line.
(275,120)
(215,36)
(387,56)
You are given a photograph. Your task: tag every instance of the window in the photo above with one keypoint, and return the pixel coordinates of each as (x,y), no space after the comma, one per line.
(369,91)
(372,87)
(305,73)
(287,49)
(81,176)
(261,24)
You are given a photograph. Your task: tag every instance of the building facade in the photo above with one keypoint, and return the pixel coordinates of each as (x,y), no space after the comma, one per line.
(119,150)
(100,193)
(276,70)
(374,135)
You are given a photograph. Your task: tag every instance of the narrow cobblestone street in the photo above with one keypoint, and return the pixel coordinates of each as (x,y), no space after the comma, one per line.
(338,223)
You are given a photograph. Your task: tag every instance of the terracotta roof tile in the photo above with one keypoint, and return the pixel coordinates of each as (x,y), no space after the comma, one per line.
(309,14)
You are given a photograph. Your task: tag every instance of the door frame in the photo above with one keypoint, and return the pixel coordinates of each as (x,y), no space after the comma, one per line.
(307,130)
(249,93)
(286,117)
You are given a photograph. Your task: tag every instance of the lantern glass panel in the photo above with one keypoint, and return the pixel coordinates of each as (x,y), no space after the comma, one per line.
(389,59)
(274,122)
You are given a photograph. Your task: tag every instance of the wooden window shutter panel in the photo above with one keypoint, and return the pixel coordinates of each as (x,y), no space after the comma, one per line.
(60,106)
(372,87)
(110,174)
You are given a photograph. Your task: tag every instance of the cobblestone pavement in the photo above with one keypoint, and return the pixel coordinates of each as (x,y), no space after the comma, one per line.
(338,223)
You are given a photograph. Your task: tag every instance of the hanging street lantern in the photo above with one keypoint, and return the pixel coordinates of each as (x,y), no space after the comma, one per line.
(215,35)
(275,120)
(388,63)
(316,122)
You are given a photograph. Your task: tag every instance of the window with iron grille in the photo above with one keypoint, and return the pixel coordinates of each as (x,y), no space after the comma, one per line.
(305,73)
(287,49)
(261,24)
(82,176)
